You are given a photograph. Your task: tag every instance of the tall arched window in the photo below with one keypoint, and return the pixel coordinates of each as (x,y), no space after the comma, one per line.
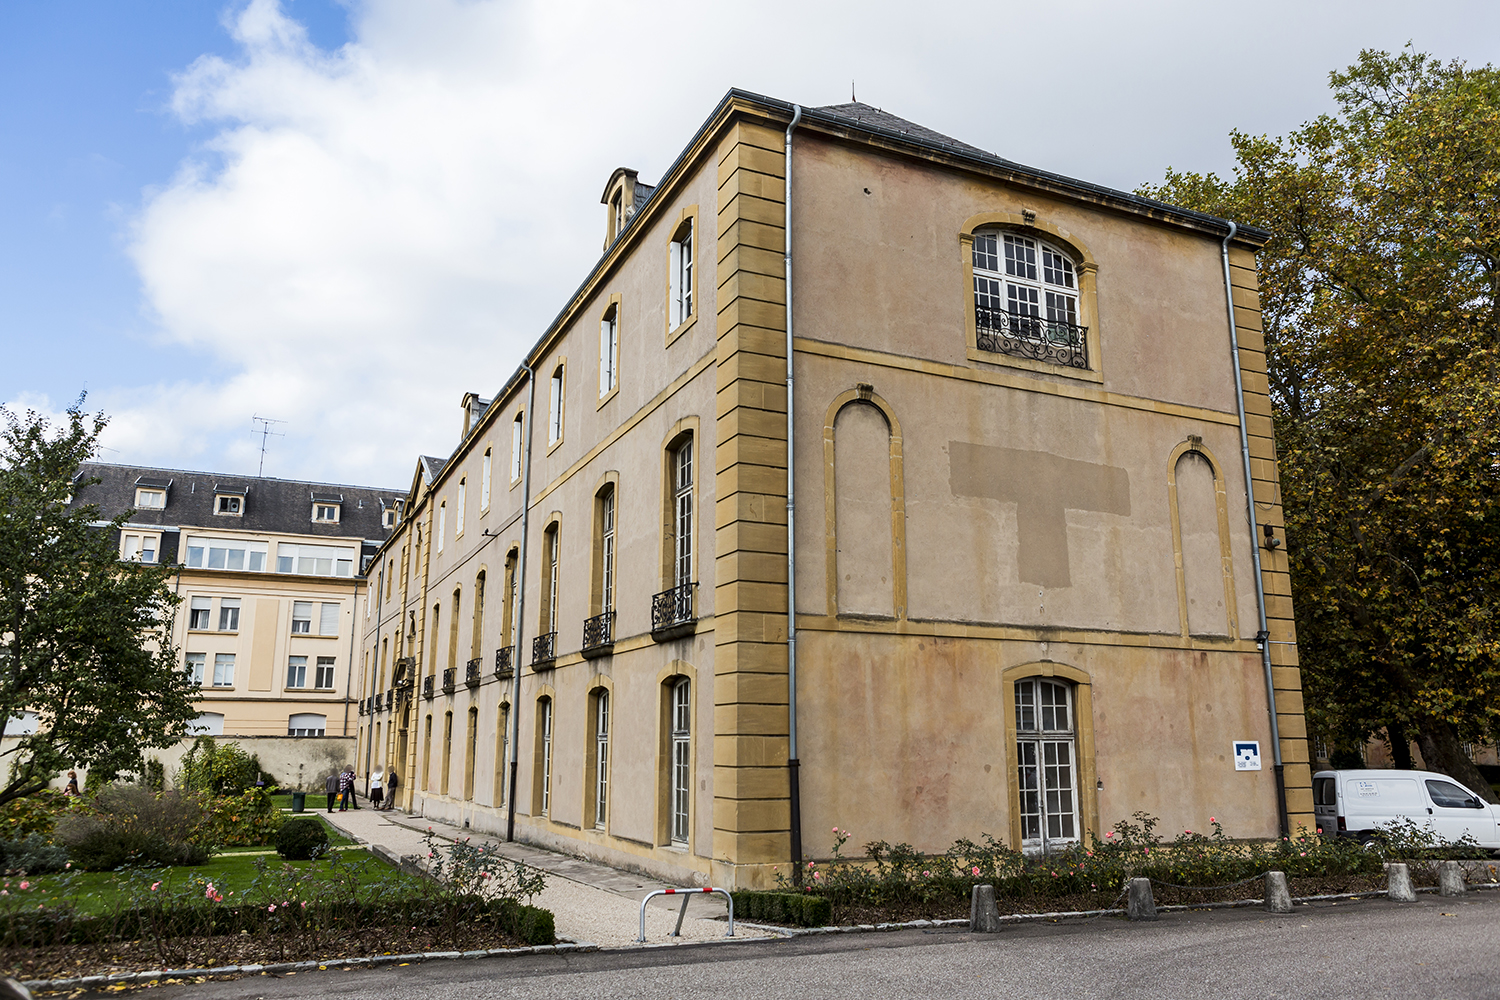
(476,637)
(502,754)
(447,753)
(682,759)
(1046,764)
(682,513)
(544,755)
(453,629)
(609,351)
(471,745)
(598,759)
(555,415)
(1026,300)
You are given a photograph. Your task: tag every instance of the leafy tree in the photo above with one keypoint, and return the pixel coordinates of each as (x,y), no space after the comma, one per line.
(84,637)
(1380,297)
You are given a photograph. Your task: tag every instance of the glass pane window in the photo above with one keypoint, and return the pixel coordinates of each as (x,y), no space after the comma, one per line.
(517,426)
(546,730)
(229,614)
(1020,257)
(314,560)
(682,504)
(607,553)
(555,420)
(1046,769)
(199,611)
(484,482)
(324,678)
(296,672)
(223,670)
(601,759)
(301,617)
(226,553)
(609,352)
(682,778)
(195,664)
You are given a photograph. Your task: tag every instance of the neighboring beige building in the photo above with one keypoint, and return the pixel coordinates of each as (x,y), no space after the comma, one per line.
(270,573)
(1025,570)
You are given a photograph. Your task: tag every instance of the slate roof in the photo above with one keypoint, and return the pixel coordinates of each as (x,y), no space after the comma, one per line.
(863,114)
(281,505)
(432,467)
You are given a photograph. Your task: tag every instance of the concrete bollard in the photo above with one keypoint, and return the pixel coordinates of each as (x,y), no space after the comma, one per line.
(984,915)
(1398,884)
(1139,905)
(1450,878)
(1278,895)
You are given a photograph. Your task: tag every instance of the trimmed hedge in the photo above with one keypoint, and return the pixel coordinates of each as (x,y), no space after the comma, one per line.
(783,908)
(301,839)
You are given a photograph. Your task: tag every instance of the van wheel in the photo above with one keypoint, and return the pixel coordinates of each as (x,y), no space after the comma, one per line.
(1371,841)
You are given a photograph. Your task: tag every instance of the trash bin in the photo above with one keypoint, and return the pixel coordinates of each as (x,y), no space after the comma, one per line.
(299,801)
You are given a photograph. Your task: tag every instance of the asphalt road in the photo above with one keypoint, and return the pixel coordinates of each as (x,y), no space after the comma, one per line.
(1434,948)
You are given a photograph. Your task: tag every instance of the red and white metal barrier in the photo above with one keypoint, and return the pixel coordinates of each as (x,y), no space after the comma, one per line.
(686,894)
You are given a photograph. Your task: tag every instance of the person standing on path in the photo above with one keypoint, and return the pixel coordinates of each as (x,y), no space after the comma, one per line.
(346,789)
(376,793)
(390,786)
(331,787)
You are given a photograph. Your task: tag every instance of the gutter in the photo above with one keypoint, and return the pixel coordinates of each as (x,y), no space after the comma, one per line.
(1263,636)
(520,579)
(794,783)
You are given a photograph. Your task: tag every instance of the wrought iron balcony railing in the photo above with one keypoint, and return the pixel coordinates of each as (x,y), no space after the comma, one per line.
(428,684)
(544,651)
(375,704)
(390,700)
(599,635)
(450,679)
(672,613)
(1052,341)
(473,672)
(503,667)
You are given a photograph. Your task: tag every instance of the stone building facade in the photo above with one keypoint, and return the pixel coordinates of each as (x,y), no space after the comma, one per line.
(1025,589)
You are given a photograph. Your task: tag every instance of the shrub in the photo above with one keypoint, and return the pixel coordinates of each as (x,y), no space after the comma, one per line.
(302,839)
(783,908)
(249,819)
(217,768)
(154,775)
(33,854)
(36,813)
(130,824)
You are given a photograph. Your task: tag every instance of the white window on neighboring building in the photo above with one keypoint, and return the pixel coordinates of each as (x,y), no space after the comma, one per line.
(460,507)
(323,680)
(138,547)
(229,614)
(226,553)
(223,670)
(682,760)
(680,292)
(388,517)
(442,525)
(328,619)
(195,663)
(22,724)
(327,513)
(484,482)
(555,416)
(301,618)
(207,724)
(150,499)
(1046,764)
(307,724)
(200,609)
(314,560)
(609,351)
(230,504)
(517,433)
(296,672)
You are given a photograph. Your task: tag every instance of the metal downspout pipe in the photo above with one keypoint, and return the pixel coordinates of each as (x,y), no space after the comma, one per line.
(1263,636)
(794,787)
(520,583)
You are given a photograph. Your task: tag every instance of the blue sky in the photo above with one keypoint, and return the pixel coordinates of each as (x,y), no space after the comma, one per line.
(209,210)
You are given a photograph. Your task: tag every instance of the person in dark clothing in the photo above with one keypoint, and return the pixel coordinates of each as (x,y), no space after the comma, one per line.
(72,788)
(346,790)
(331,786)
(390,789)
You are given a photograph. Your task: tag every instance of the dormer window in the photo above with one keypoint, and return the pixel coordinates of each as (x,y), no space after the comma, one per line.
(326,512)
(388,517)
(623,196)
(228,504)
(150,499)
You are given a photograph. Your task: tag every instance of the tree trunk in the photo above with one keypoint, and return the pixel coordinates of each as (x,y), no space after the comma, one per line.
(1400,746)
(1442,752)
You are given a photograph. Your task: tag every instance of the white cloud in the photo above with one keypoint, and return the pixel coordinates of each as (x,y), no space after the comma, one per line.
(373,231)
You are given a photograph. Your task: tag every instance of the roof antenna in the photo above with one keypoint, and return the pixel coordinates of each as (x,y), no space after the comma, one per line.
(265,432)
(852,98)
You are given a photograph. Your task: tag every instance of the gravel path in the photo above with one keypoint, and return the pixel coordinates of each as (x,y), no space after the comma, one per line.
(590,901)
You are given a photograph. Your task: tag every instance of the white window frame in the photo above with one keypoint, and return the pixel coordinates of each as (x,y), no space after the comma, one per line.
(607,551)
(194,663)
(223,670)
(296,672)
(150,498)
(202,551)
(609,351)
(293,559)
(293,729)
(680,800)
(442,525)
(229,505)
(327,610)
(546,776)
(229,614)
(556,388)
(460,507)
(200,614)
(517,442)
(140,546)
(554,549)
(1047,764)
(1027,277)
(601,759)
(323,670)
(302,612)
(680,279)
(682,513)
(486,466)
(325,512)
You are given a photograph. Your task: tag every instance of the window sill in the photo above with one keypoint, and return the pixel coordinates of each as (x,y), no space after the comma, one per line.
(1026,364)
(611,394)
(555,445)
(683,327)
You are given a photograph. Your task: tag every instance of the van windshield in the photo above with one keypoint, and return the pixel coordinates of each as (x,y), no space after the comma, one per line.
(1324,793)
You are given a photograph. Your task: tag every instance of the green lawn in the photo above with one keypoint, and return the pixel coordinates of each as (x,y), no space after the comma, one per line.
(230,873)
(315,803)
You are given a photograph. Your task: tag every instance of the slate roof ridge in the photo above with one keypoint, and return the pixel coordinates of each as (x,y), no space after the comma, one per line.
(864,114)
(226,477)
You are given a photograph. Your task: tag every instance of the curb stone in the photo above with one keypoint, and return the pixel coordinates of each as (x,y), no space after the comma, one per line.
(278,968)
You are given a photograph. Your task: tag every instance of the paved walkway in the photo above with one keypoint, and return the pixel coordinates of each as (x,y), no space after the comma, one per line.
(590,901)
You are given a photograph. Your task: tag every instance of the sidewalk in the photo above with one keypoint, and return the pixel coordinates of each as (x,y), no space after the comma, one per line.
(590,901)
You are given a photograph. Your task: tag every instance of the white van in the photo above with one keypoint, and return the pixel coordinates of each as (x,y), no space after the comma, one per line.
(1357,803)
